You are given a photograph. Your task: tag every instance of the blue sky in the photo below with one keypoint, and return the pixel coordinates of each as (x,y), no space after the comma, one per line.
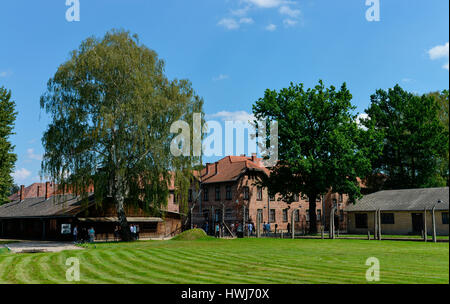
(231,50)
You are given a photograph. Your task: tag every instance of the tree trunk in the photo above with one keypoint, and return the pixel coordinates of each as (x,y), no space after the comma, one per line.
(125,228)
(312,214)
(119,200)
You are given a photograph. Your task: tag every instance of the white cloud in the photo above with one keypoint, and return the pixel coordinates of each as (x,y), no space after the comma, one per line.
(286,10)
(21,174)
(289,22)
(233,24)
(4,74)
(439,52)
(221,77)
(266,3)
(246,20)
(232,116)
(32,155)
(361,117)
(271,27)
(407,80)
(229,23)
(240,11)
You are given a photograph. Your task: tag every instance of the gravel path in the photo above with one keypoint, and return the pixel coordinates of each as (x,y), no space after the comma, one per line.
(40,246)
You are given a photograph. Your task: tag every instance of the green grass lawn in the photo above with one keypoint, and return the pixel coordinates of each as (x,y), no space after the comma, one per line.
(388,236)
(236,261)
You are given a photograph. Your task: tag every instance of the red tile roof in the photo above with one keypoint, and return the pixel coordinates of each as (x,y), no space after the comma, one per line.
(230,168)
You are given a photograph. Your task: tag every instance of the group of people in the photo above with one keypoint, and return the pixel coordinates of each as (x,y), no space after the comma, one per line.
(134,229)
(266,228)
(236,228)
(83,236)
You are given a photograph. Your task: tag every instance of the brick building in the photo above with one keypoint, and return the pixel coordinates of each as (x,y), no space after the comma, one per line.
(229,187)
(41,211)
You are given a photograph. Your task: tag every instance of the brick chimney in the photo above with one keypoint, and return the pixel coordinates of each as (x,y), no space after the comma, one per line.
(21,193)
(254,157)
(47,190)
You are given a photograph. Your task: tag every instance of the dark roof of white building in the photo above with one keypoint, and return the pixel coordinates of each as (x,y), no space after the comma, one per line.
(55,206)
(403,200)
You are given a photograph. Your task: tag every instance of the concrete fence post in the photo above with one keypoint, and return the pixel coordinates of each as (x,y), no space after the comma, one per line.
(293,224)
(379,224)
(375,225)
(332,223)
(258,225)
(425,232)
(243,222)
(433,220)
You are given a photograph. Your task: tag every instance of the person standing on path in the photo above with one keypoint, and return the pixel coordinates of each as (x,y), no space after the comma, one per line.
(91,235)
(217,230)
(75,234)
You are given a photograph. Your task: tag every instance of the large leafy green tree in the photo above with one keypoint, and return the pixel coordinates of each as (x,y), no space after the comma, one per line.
(112,108)
(7,157)
(321,146)
(415,138)
(442,100)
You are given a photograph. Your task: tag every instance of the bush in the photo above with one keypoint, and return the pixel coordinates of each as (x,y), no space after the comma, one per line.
(192,235)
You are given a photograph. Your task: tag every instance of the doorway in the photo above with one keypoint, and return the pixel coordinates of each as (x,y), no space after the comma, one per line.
(417,223)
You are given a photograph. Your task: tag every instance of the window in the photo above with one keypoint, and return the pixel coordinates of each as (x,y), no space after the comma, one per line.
(259,196)
(260,215)
(319,214)
(247,214)
(445,218)
(361,220)
(150,227)
(285,215)
(387,218)
(272,198)
(334,202)
(297,215)
(296,197)
(307,215)
(341,215)
(205,194)
(228,193)
(217,193)
(228,213)
(272,216)
(341,198)
(174,198)
(206,214)
(246,193)
(190,195)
